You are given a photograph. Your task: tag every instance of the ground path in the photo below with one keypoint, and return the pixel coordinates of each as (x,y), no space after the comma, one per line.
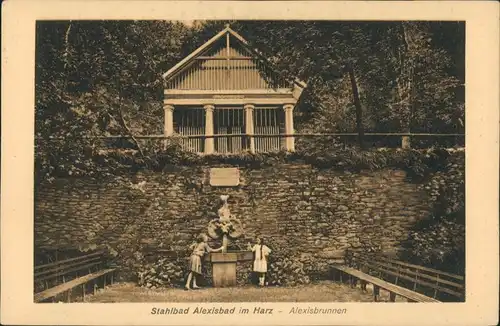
(326,291)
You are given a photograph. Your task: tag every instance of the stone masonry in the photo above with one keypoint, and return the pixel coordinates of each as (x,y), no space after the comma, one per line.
(318,212)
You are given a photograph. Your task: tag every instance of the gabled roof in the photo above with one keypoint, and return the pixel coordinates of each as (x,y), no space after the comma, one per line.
(187,60)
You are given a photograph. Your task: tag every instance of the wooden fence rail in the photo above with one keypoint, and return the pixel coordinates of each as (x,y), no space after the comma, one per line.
(259,135)
(237,142)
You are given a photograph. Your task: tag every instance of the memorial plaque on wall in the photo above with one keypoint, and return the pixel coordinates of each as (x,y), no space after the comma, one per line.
(224,177)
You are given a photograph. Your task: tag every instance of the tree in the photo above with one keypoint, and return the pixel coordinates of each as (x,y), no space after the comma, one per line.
(98,78)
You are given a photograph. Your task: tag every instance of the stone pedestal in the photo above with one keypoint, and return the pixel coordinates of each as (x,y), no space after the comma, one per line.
(224,269)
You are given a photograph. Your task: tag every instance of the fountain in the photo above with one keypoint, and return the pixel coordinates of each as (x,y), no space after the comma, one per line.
(226,227)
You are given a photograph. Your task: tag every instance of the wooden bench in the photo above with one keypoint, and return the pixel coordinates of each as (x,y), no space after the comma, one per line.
(394,290)
(61,277)
(430,281)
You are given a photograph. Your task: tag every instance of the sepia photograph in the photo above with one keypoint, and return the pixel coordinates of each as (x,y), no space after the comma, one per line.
(250,163)
(237,161)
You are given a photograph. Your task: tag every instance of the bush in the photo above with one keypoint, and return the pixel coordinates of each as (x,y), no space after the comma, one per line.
(156,157)
(440,245)
(162,273)
(316,269)
(447,187)
(287,272)
(284,267)
(439,242)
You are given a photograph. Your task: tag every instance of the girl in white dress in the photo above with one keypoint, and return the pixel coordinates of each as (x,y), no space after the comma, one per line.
(261,252)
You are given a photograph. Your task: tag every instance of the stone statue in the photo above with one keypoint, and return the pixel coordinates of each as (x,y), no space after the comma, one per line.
(226,226)
(224,212)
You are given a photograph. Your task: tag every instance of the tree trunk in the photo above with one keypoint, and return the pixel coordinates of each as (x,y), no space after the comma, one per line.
(67,45)
(357,104)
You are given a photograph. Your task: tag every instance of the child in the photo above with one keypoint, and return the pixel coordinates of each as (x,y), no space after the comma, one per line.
(261,251)
(199,249)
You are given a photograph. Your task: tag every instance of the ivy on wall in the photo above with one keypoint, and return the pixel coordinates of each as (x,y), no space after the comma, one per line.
(439,241)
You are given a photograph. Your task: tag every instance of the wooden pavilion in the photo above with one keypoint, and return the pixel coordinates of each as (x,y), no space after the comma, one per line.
(227,98)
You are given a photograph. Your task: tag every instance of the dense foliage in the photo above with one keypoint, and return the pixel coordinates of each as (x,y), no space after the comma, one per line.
(284,269)
(440,245)
(99,78)
(418,163)
(439,241)
(164,272)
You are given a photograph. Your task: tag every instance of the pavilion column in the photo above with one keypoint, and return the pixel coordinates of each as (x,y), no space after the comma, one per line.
(289,141)
(249,129)
(168,129)
(209,128)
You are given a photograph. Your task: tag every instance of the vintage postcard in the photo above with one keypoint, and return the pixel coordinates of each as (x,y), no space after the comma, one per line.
(250,163)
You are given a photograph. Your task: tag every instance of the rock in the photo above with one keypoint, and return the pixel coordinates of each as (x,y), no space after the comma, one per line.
(331,254)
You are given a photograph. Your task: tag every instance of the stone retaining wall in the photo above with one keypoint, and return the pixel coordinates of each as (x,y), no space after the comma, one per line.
(314,213)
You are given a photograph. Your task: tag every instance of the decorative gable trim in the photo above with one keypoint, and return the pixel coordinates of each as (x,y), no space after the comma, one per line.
(195,53)
(298,84)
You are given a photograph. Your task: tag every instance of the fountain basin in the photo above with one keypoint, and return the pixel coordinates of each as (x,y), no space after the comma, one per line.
(240,255)
(224,266)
